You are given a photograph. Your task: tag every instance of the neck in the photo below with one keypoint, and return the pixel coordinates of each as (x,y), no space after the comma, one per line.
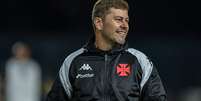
(102,43)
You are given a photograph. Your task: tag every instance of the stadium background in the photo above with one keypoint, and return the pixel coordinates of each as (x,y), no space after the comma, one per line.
(168,31)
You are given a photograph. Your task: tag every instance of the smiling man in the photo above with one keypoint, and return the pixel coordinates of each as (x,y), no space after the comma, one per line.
(105,69)
(112,29)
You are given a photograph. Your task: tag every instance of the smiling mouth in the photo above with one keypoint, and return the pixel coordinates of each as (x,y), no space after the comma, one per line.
(122,33)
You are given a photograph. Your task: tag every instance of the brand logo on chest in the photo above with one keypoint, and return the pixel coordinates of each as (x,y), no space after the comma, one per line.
(85,67)
(85,72)
(123,69)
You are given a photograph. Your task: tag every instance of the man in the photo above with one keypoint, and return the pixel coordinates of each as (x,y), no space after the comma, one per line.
(105,69)
(23,75)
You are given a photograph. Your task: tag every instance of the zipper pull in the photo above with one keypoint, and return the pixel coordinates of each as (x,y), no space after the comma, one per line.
(106,57)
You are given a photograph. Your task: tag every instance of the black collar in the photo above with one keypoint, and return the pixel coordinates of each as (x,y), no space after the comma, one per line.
(90,47)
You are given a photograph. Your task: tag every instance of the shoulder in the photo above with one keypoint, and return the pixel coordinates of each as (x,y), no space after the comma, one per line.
(70,58)
(145,64)
(136,53)
(73,55)
(34,62)
(142,58)
(10,61)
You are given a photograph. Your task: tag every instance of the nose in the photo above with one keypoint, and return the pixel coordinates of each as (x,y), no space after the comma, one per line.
(125,25)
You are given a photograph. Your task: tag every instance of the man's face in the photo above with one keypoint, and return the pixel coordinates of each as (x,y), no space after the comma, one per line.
(115,25)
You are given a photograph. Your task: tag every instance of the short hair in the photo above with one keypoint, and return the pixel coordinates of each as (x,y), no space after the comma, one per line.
(101,7)
(18,45)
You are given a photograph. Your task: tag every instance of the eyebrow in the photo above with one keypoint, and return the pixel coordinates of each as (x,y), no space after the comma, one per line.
(121,17)
(127,18)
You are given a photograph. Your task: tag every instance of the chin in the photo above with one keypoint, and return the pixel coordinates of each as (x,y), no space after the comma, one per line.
(121,43)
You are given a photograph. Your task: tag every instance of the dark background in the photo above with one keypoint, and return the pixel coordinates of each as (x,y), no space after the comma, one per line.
(168,31)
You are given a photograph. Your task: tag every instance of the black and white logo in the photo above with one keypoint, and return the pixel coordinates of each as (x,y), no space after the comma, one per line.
(85,75)
(85,67)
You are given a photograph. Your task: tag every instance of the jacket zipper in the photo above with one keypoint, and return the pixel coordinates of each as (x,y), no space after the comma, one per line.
(119,97)
(105,78)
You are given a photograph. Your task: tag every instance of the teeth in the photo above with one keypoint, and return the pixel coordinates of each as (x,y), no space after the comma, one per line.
(122,32)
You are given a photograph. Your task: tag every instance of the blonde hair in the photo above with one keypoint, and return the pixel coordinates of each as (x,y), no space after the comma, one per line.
(101,7)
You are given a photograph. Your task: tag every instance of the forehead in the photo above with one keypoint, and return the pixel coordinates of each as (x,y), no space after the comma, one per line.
(118,12)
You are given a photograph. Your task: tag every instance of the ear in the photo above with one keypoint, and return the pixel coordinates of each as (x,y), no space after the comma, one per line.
(98,22)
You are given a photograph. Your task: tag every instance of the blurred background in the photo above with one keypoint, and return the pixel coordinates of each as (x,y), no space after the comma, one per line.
(168,31)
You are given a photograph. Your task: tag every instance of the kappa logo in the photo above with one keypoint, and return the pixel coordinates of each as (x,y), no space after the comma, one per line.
(85,67)
(123,69)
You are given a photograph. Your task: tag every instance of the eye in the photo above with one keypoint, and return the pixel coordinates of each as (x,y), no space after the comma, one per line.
(127,20)
(119,19)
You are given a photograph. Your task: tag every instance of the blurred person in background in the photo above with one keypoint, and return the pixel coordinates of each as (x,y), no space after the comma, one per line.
(1,88)
(23,75)
(190,94)
(105,69)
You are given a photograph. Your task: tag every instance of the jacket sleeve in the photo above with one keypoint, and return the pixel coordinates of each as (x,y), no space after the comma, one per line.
(57,92)
(153,89)
(62,88)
